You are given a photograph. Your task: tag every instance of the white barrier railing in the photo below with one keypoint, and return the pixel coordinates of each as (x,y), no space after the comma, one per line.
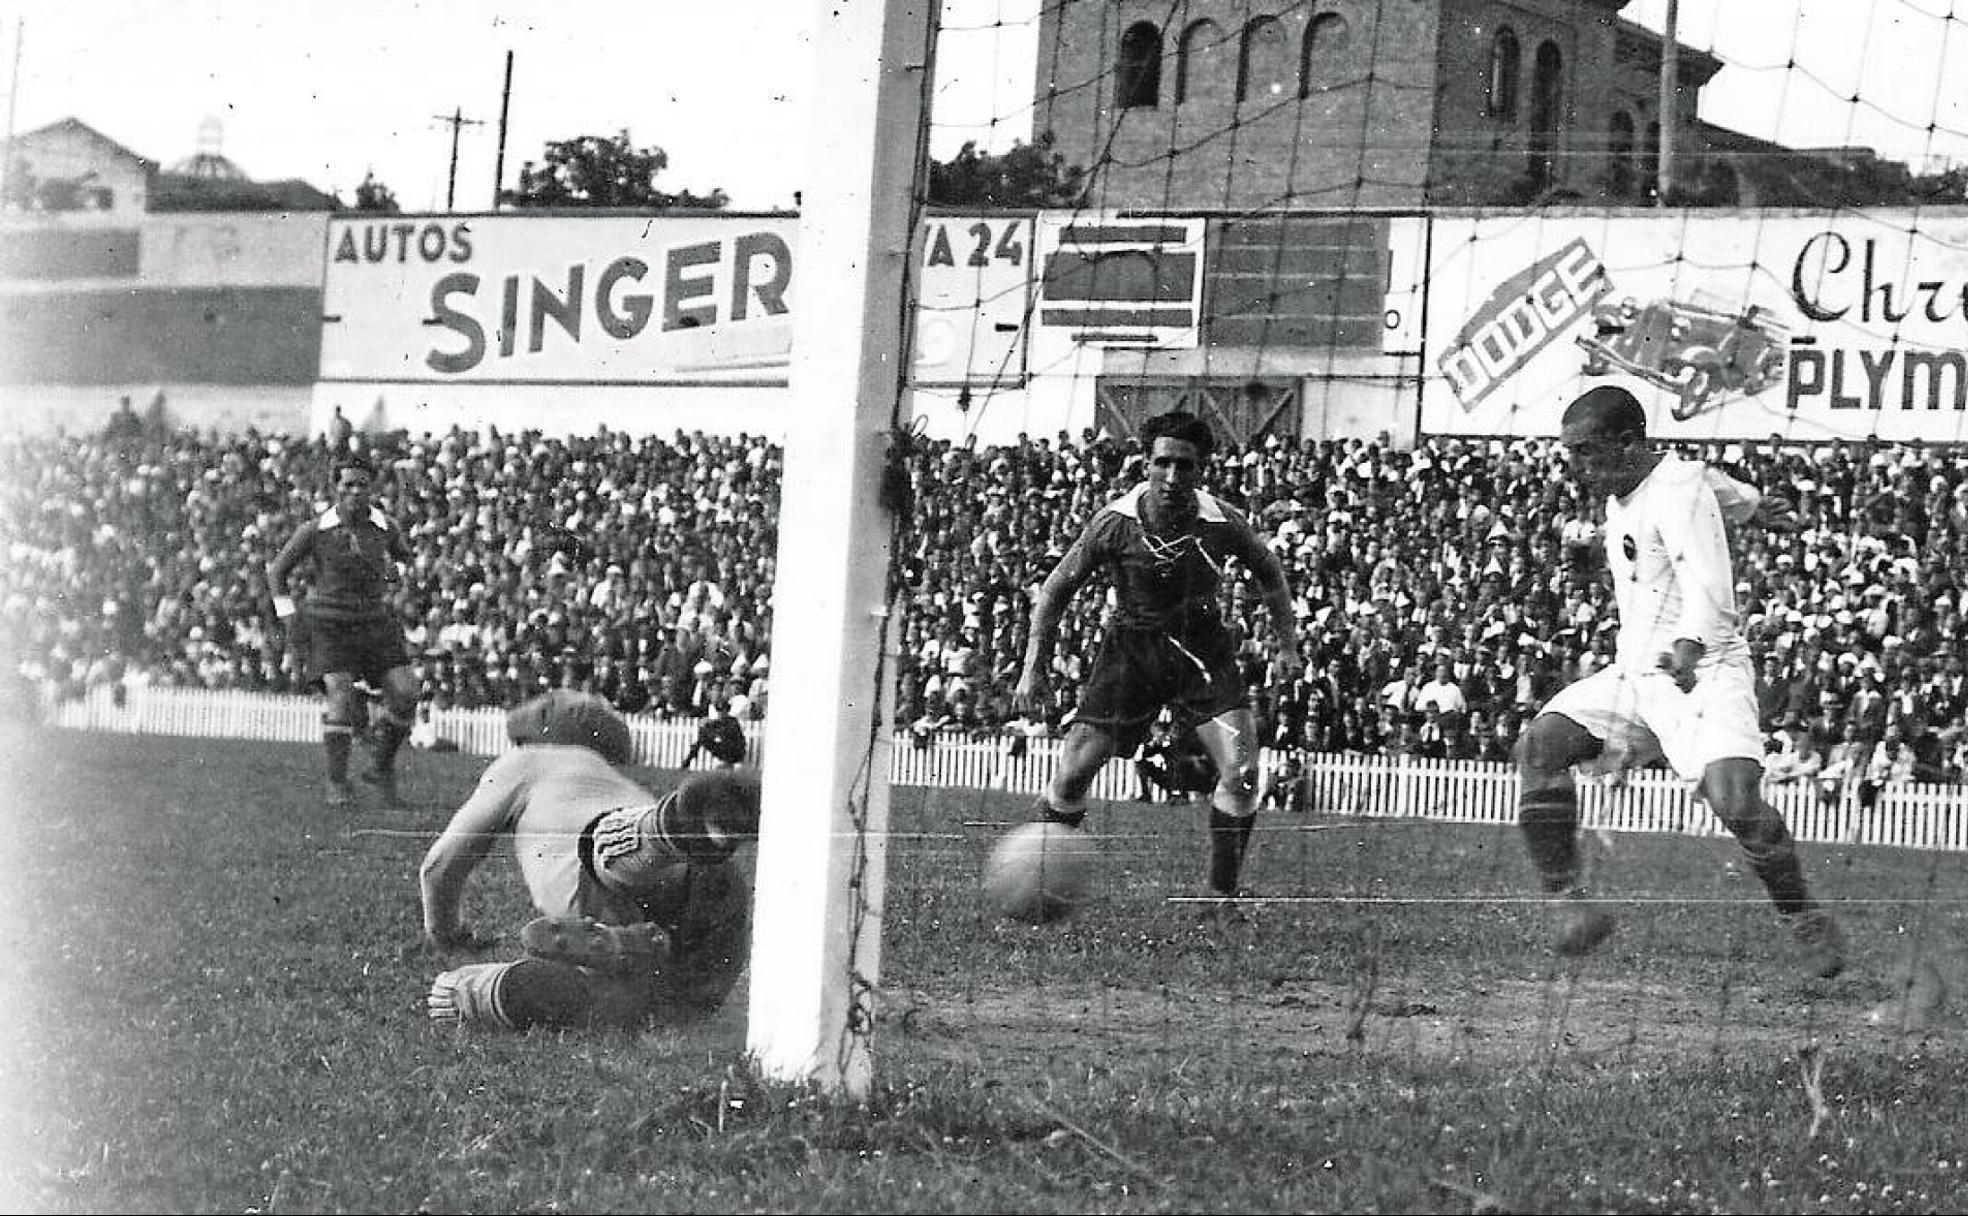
(1461,791)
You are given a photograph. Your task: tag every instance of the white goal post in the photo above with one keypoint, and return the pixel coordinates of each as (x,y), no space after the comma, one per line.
(822,846)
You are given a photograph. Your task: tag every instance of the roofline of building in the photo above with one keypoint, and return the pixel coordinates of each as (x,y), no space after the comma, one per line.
(75,123)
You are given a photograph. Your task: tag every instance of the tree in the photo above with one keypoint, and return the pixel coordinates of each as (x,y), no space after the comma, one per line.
(598,171)
(1029,175)
(1949,185)
(373,195)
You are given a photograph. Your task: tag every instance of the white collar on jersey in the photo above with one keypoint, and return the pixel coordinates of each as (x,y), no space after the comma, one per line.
(1208,509)
(332,518)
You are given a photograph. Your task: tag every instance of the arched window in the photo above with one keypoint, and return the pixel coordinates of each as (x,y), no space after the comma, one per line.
(1504,56)
(1325,46)
(1139,73)
(1266,61)
(1195,59)
(1650,162)
(1547,113)
(1619,155)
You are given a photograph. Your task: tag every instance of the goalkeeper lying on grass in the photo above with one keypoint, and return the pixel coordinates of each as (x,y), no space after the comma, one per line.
(644,900)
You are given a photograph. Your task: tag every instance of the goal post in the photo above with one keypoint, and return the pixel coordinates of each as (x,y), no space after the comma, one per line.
(816,941)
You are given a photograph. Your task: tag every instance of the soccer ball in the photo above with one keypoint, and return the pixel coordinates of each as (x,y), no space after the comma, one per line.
(1040,872)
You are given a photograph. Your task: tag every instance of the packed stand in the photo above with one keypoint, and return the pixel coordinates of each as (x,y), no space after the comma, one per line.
(1444,592)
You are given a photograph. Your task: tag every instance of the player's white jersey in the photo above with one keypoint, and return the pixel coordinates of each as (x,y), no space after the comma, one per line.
(1669,556)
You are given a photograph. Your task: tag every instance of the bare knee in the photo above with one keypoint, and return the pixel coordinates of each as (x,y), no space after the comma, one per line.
(339,702)
(1733,790)
(1084,753)
(1236,788)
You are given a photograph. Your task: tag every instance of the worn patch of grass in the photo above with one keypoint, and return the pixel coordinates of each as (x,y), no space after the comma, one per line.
(214,1004)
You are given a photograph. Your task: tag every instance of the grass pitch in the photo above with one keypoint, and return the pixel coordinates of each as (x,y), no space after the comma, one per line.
(215,1004)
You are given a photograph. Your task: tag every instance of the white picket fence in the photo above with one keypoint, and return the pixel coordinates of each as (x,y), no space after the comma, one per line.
(1460,791)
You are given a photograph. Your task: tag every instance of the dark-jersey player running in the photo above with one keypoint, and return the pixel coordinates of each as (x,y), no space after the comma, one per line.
(350,629)
(1165,546)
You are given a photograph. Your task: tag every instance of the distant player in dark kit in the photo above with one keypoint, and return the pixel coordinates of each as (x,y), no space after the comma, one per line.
(348,627)
(1176,763)
(721,737)
(644,900)
(1681,687)
(1165,546)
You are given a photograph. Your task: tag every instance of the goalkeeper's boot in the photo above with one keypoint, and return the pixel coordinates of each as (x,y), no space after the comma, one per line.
(340,796)
(1582,925)
(1820,941)
(583,941)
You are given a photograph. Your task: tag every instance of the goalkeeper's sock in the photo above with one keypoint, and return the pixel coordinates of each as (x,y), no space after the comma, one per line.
(541,992)
(1548,816)
(471,996)
(1229,839)
(336,738)
(514,996)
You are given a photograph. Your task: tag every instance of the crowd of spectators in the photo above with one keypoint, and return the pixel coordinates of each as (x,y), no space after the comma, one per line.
(1444,591)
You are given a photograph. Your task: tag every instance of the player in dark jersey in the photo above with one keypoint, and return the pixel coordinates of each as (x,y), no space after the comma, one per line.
(351,633)
(721,737)
(1165,547)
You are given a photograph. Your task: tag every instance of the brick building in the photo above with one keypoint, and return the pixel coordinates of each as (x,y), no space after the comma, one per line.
(1341,104)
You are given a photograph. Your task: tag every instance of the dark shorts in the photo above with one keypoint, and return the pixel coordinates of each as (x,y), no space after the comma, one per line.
(367,650)
(1138,673)
(707,911)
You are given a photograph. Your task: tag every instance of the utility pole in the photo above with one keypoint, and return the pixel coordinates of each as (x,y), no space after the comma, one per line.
(13,96)
(499,163)
(457,120)
(1670,88)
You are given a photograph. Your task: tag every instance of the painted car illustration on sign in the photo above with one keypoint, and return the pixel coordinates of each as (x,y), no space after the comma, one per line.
(1704,355)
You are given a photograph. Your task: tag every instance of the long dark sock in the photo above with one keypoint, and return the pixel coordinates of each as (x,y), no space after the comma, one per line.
(1229,838)
(1548,815)
(335,738)
(542,992)
(1772,855)
(390,734)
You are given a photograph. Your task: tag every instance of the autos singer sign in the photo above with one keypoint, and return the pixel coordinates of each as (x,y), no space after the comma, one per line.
(518,299)
(1730,325)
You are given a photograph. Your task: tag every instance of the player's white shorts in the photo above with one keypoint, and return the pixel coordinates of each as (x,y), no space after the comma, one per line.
(1641,716)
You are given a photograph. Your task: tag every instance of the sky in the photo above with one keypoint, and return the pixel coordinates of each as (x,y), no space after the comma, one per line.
(327,92)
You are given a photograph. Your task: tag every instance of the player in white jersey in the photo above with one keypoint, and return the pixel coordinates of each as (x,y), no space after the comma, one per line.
(1682,686)
(644,905)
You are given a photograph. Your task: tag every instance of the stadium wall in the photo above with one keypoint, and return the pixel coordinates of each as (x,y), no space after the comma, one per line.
(672,321)
(219,313)
(1734,325)
(1906,816)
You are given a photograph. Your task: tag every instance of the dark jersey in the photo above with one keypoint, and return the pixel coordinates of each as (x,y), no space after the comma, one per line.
(723,738)
(354,563)
(1165,584)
